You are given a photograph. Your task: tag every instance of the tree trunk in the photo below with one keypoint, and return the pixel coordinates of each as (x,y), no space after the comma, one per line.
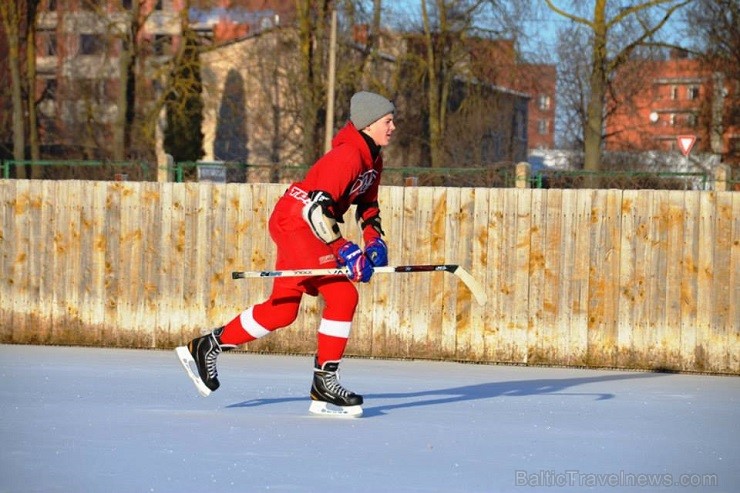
(433,92)
(127,93)
(33,128)
(312,28)
(11,21)
(595,111)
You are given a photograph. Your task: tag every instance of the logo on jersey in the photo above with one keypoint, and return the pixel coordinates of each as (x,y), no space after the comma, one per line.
(363,182)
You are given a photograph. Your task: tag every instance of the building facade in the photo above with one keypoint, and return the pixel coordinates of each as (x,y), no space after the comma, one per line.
(657,101)
(497,61)
(99,61)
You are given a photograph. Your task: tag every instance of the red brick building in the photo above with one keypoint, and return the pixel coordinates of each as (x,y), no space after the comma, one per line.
(657,101)
(497,62)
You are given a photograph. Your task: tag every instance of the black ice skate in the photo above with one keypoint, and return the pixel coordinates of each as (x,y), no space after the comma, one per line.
(326,390)
(199,360)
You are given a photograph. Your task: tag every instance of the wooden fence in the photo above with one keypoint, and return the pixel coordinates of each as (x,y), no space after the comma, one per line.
(606,278)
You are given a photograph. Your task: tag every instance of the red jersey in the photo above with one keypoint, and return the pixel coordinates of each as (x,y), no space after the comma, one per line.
(347,173)
(350,175)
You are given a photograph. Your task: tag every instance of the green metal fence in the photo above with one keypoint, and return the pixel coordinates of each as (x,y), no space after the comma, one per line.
(662,180)
(500,175)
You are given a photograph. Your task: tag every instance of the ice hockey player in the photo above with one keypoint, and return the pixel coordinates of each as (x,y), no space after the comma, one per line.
(305,228)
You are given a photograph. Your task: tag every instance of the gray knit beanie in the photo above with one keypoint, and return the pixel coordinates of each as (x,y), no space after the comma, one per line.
(367,107)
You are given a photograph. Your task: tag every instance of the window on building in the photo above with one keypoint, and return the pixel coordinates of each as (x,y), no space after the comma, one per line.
(126,4)
(674,92)
(93,88)
(543,127)
(161,44)
(693,92)
(735,115)
(91,4)
(735,146)
(691,120)
(48,43)
(50,91)
(51,5)
(520,125)
(158,5)
(672,119)
(544,102)
(91,44)
(491,147)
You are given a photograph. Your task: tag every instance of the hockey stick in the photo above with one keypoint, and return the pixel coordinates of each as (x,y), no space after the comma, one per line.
(462,274)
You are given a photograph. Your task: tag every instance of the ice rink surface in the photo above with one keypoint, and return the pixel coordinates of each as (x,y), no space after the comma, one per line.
(116,421)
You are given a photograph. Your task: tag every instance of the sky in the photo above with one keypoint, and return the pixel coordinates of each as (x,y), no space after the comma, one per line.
(541,25)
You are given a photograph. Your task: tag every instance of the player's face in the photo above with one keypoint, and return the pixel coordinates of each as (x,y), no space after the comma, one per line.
(381,130)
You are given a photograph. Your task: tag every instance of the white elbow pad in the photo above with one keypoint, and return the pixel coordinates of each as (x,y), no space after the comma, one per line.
(317,213)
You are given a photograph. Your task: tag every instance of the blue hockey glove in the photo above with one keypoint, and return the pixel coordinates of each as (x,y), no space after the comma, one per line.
(376,252)
(360,269)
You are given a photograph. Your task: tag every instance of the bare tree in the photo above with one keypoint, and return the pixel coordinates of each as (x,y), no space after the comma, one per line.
(715,27)
(33,129)
(606,17)
(128,33)
(445,28)
(313,33)
(11,15)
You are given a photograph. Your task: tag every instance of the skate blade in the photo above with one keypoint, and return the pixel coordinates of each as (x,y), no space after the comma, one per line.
(321,408)
(187,362)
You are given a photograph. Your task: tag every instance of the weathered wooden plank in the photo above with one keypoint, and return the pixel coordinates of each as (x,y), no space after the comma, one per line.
(655,268)
(579,284)
(628,288)
(536,333)
(165,275)
(213,251)
(643,270)
(603,284)
(733,318)
(553,344)
(724,334)
(231,299)
(193,260)
(7,245)
(465,341)
(19,262)
(68,262)
(131,316)
(478,268)
(94,243)
(569,296)
(496,338)
(45,312)
(112,281)
(179,246)
(688,278)
(421,290)
(36,259)
(403,336)
(521,202)
(708,349)
(442,342)
(672,218)
(386,332)
(246,233)
(448,284)
(152,254)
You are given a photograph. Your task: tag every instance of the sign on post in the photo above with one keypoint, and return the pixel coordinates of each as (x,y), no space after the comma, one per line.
(686,143)
(212,172)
